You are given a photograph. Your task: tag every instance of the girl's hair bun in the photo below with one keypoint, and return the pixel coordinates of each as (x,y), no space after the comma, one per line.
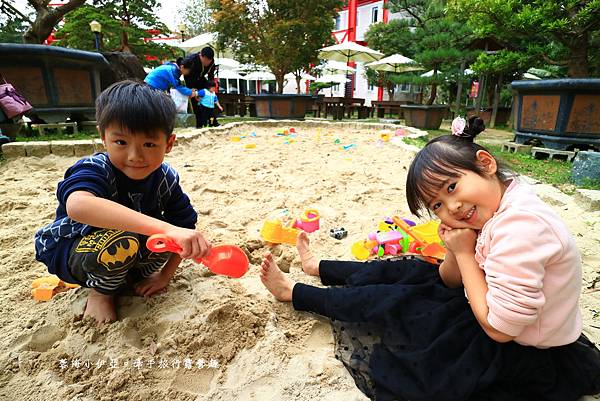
(474,127)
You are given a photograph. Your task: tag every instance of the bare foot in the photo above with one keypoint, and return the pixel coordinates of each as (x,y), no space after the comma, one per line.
(101,307)
(310,263)
(275,280)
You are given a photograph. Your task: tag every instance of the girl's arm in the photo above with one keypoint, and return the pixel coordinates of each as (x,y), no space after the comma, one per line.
(473,279)
(461,242)
(449,271)
(89,209)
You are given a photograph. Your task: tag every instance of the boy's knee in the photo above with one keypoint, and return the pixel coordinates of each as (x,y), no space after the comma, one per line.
(105,252)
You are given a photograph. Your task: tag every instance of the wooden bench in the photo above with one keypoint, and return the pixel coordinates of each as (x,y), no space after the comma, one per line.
(57,126)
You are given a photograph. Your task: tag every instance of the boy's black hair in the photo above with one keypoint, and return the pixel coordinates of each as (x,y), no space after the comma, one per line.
(211,84)
(208,52)
(179,61)
(446,156)
(136,108)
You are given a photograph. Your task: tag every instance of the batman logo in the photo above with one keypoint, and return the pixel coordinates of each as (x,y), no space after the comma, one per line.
(119,254)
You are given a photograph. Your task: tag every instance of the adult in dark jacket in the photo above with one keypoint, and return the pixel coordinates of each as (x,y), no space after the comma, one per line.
(202,72)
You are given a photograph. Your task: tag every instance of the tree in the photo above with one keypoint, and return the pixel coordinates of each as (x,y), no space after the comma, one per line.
(196,16)
(554,32)
(46,18)
(439,41)
(117,35)
(281,34)
(394,37)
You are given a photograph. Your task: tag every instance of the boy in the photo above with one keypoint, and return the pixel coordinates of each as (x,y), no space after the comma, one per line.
(109,203)
(208,115)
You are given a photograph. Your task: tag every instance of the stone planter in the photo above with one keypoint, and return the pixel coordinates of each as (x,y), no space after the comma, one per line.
(486,115)
(57,81)
(562,114)
(424,116)
(282,106)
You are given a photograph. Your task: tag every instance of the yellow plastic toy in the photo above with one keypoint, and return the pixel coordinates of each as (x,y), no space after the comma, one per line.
(44,288)
(250,146)
(281,229)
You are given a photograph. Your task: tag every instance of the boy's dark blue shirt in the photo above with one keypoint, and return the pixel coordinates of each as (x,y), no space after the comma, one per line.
(159,195)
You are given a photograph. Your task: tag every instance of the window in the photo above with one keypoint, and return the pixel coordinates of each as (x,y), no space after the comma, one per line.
(371,87)
(405,87)
(338,22)
(374,15)
(222,85)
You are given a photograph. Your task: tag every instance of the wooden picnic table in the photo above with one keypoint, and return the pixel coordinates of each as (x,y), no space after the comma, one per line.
(381,107)
(338,105)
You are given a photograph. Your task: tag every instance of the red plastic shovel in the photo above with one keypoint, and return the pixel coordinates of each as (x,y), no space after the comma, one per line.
(228,260)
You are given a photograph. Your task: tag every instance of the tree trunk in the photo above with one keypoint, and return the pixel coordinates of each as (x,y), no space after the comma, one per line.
(432,95)
(495,102)
(298,79)
(460,85)
(480,91)
(46,19)
(279,79)
(578,60)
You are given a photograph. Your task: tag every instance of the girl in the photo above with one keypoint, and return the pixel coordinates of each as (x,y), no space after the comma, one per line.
(499,318)
(167,76)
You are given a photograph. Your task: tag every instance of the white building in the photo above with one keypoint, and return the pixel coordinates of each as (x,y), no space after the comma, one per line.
(351,24)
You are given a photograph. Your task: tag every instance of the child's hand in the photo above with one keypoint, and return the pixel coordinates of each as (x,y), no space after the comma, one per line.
(192,242)
(459,240)
(153,284)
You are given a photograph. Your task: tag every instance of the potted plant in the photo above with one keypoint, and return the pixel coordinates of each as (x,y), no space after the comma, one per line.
(561,113)
(438,46)
(282,35)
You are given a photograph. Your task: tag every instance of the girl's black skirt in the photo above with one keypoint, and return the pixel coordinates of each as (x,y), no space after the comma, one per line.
(403,335)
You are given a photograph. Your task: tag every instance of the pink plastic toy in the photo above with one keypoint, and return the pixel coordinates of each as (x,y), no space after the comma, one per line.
(309,221)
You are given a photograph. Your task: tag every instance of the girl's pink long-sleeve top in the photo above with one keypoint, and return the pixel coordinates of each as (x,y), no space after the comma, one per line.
(533,271)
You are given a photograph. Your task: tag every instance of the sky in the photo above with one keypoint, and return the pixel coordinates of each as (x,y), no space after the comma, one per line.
(167,13)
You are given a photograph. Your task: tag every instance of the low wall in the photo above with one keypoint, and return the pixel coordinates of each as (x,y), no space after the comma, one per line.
(86,147)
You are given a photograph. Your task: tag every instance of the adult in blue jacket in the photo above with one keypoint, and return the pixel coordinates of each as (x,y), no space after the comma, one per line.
(167,76)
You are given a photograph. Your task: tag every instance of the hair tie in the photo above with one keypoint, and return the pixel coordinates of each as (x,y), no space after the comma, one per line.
(458,127)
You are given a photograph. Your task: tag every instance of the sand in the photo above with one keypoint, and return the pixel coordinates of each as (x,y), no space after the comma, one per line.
(210,337)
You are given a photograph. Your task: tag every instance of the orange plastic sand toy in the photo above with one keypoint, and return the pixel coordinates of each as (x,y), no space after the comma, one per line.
(44,288)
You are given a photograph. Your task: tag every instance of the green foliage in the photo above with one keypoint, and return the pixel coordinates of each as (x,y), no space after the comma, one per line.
(283,35)
(196,16)
(12,30)
(547,31)
(390,38)
(440,41)
(121,29)
(394,37)
(505,62)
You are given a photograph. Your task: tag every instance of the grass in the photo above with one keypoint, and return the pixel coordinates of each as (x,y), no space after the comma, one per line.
(553,172)
(58,137)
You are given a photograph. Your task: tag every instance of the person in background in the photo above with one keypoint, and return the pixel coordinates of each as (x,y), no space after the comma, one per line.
(202,71)
(167,76)
(208,114)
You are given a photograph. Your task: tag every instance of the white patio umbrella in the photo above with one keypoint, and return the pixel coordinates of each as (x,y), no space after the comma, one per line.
(334,67)
(530,76)
(226,63)
(291,75)
(395,63)
(260,76)
(229,74)
(332,79)
(197,43)
(349,51)
(430,73)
